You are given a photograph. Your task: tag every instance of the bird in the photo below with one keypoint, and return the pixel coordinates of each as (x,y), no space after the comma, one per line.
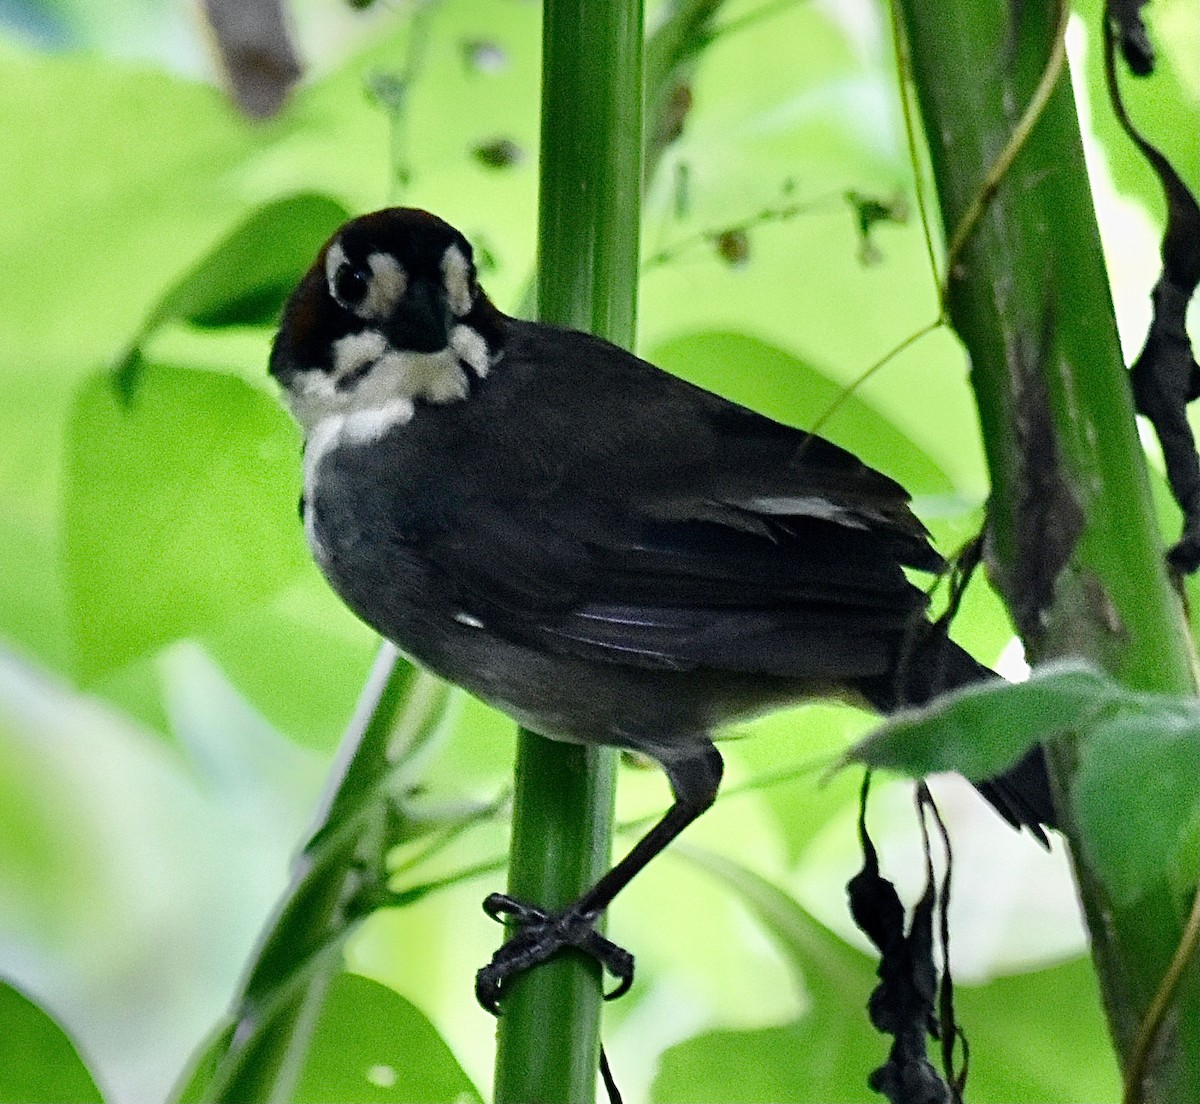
(599,549)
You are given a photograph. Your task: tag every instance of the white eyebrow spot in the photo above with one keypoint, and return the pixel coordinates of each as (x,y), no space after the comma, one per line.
(334,259)
(456,276)
(387,286)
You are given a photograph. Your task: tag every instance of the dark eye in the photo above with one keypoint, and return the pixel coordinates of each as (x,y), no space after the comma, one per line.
(350,284)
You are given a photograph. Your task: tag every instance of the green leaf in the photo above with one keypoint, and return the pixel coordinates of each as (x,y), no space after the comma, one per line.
(777,383)
(1019,1035)
(180,510)
(799,1061)
(984,728)
(825,1055)
(372,1045)
(1136,791)
(1162,106)
(1186,860)
(201,1067)
(245,278)
(262,649)
(809,737)
(1014,1025)
(1137,795)
(369,1045)
(40,1063)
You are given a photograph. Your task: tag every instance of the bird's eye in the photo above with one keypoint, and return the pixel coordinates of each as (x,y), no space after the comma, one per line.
(369,290)
(350,284)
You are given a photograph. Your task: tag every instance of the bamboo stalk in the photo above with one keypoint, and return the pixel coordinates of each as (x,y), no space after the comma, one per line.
(591,150)
(1028,294)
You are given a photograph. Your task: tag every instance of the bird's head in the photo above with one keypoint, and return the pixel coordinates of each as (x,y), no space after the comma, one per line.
(390,313)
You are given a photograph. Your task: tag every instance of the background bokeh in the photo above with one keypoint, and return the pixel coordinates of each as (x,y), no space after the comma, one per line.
(175,676)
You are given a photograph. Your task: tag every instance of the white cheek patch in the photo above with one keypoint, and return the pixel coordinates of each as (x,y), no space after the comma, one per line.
(377,385)
(456,277)
(370,376)
(471,348)
(386,289)
(356,351)
(310,396)
(323,436)
(364,426)
(435,377)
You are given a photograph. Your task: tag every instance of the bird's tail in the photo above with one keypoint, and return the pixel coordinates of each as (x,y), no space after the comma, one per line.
(933,665)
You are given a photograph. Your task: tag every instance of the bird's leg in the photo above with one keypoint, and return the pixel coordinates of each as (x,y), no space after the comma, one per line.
(694,781)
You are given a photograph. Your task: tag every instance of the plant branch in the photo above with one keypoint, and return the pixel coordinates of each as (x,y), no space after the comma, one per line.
(1074,546)
(588,229)
(332,887)
(1156,1014)
(999,168)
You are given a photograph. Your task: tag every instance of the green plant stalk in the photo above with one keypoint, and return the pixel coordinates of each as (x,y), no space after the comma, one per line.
(588,228)
(297,956)
(1029,297)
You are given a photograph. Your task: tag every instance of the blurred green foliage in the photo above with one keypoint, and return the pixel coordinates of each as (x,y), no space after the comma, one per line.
(175,675)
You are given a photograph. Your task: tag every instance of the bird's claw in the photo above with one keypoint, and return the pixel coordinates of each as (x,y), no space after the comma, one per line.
(542,934)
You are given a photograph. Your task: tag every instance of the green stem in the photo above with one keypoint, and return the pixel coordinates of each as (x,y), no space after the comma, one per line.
(1028,294)
(548,1043)
(298,955)
(589,205)
(548,1039)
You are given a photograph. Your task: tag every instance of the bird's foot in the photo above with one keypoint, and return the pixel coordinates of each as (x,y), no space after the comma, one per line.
(542,934)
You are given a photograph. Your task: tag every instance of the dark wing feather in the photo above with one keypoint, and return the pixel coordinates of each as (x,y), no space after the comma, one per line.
(817,600)
(691,533)
(679,452)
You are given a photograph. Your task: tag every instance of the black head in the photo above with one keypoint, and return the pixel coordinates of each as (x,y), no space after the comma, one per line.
(391,309)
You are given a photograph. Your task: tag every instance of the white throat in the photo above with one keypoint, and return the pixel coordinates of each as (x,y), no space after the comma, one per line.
(374,385)
(379,386)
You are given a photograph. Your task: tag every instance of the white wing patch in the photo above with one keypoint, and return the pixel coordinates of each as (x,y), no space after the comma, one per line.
(813,506)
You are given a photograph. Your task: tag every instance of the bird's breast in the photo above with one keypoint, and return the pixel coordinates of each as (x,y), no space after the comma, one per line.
(346,480)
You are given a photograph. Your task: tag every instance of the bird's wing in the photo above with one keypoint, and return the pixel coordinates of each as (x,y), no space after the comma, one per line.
(790,595)
(679,452)
(693,533)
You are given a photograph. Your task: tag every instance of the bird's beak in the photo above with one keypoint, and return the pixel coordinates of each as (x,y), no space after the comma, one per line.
(422,318)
